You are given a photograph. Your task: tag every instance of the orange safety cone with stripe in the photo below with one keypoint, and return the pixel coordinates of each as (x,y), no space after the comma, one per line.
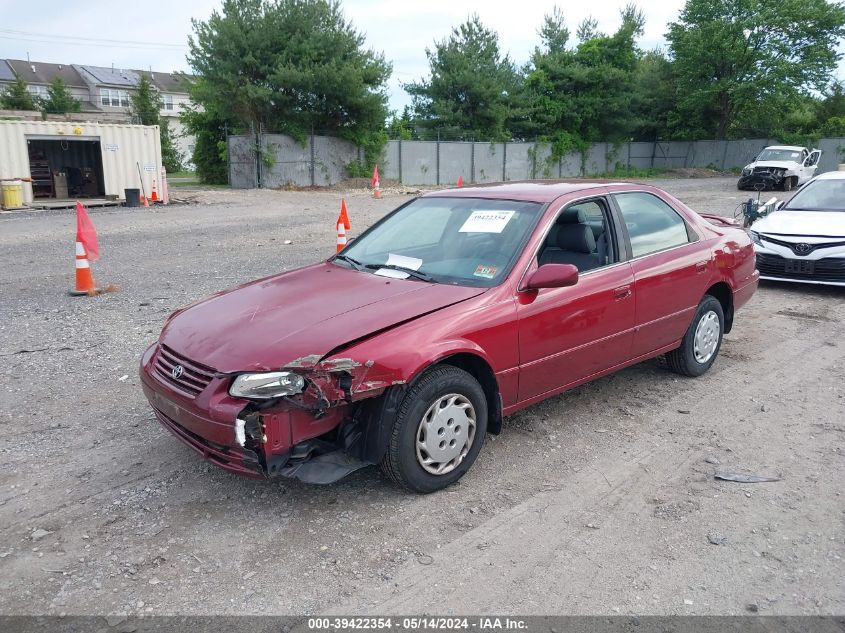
(87,250)
(342,226)
(460,181)
(154,194)
(374,183)
(144,201)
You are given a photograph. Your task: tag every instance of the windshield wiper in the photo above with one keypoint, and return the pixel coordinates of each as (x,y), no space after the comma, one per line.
(416,274)
(346,258)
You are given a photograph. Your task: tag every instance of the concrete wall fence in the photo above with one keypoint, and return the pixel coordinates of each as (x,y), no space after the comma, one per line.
(321,160)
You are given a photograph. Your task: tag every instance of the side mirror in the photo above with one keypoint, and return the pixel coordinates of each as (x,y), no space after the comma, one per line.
(779,205)
(553,276)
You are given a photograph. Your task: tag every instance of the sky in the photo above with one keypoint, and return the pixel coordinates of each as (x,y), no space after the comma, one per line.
(153,34)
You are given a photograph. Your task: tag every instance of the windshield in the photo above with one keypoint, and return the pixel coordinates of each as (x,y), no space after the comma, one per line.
(780,154)
(819,195)
(462,241)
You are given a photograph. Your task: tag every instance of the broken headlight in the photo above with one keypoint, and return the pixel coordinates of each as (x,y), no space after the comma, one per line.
(266,385)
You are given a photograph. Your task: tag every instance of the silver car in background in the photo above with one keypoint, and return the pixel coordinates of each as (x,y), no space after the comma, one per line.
(804,239)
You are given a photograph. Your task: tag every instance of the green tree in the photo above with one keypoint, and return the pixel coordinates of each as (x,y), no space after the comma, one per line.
(575,96)
(401,127)
(146,103)
(653,97)
(59,100)
(209,131)
(146,108)
(588,29)
(290,66)
(834,127)
(17,96)
(833,103)
(470,86)
(732,57)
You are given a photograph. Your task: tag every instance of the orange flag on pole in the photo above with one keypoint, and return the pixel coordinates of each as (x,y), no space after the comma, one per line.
(343,218)
(86,233)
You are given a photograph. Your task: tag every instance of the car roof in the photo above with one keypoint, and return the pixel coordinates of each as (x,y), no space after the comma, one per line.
(831,175)
(797,148)
(527,190)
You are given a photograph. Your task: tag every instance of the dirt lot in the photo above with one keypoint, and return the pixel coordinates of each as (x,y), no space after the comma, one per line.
(599,501)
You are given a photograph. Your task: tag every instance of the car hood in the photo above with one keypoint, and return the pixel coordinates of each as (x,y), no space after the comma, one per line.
(777,164)
(280,320)
(809,223)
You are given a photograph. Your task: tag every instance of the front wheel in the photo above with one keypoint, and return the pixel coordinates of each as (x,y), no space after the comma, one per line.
(790,183)
(438,432)
(702,341)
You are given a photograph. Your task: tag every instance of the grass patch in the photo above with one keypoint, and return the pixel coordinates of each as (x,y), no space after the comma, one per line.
(191,175)
(634,172)
(196,184)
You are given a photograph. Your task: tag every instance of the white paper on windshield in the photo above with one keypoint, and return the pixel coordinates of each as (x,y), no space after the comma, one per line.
(411,263)
(393,274)
(405,262)
(486,222)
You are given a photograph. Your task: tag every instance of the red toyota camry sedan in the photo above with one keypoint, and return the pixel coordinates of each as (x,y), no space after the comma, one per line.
(458,308)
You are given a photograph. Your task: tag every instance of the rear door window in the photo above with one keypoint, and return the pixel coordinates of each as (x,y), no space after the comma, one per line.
(652,224)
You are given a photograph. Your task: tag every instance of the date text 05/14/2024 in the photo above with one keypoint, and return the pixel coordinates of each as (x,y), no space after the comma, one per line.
(421,623)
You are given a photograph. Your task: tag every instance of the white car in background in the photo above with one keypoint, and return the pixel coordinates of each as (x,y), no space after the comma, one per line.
(804,239)
(780,167)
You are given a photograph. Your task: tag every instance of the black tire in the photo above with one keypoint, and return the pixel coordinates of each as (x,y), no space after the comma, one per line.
(683,360)
(400,462)
(789,183)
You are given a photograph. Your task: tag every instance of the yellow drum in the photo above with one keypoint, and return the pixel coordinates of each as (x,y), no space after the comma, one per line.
(12,193)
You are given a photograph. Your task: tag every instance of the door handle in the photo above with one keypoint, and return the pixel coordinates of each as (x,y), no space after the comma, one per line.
(622,292)
(701,267)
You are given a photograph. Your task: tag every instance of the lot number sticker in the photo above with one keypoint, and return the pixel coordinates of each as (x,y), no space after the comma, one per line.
(486,222)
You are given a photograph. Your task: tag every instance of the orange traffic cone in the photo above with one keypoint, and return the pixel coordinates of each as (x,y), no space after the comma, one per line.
(84,279)
(154,195)
(460,181)
(343,225)
(341,236)
(86,238)
(374,183)
(144,201)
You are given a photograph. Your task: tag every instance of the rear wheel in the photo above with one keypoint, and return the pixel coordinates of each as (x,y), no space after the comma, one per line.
(702,341)
(438,432)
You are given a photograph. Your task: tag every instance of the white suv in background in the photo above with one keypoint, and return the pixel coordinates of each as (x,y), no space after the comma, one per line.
(780,167)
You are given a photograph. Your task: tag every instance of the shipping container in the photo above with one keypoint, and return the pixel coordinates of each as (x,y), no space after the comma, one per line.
(78,160)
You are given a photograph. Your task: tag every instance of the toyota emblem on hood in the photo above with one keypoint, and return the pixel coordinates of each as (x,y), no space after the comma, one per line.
(802,248)
(177,372)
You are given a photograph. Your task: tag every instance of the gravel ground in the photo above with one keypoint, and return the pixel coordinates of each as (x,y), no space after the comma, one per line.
(598,501)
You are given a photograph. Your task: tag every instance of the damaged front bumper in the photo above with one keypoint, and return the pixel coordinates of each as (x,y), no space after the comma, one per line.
(338,424)
(761,181)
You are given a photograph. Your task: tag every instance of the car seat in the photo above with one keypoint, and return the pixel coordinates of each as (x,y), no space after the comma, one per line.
(571,241)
